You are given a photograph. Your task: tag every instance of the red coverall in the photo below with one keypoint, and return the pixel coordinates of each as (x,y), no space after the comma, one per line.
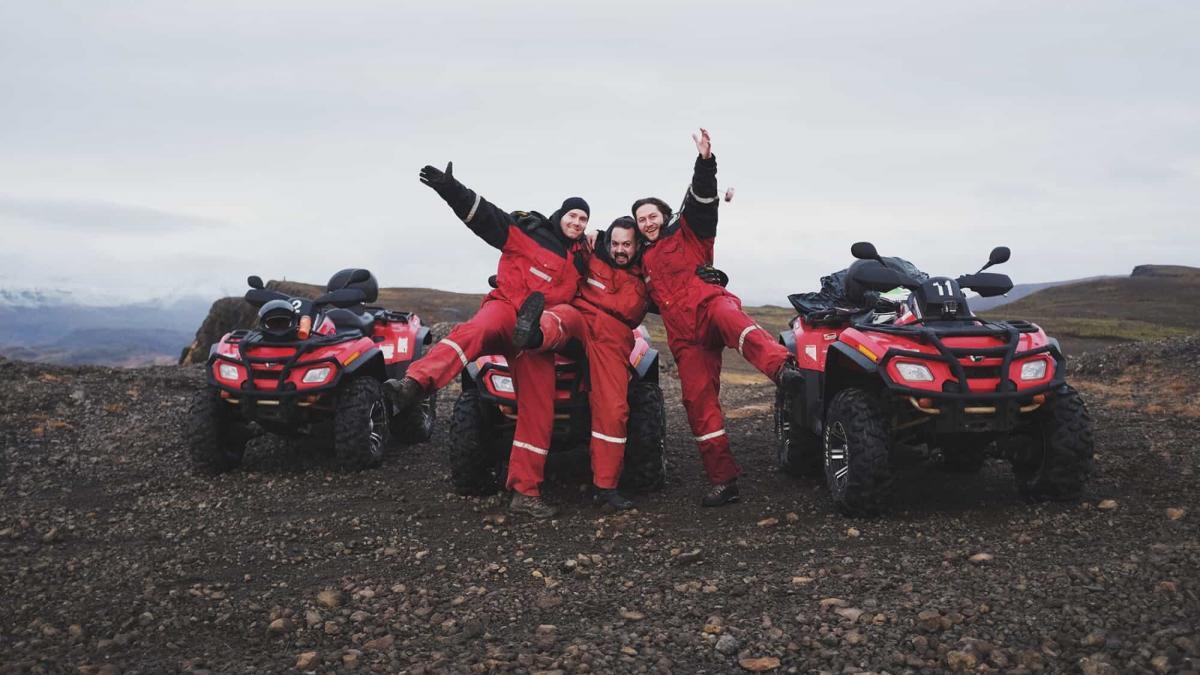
(702,319)
(610,304)
(533,257)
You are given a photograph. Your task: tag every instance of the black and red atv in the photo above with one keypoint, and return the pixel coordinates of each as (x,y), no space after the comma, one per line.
(485,416)
(311,368)
(897,365)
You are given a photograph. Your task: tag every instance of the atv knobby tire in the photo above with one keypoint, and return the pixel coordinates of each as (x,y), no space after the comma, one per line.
(360,424)
(857,466)
(645,466)
(415,425)
(1055,465)
(475,464)
(216,442)
(799,451)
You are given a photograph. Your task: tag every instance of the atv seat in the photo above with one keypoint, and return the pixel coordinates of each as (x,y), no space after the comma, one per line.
(345,320)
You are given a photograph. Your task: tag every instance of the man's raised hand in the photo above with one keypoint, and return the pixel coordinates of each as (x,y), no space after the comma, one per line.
(436,178)
(703,143)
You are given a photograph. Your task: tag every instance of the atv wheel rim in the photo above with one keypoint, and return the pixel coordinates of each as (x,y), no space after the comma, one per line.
(375,422)
(837,456)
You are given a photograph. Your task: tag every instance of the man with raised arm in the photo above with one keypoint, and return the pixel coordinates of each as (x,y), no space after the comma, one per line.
(537,255)
(703,318)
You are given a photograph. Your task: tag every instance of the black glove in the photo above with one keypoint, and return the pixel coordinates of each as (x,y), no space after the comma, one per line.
(441,182)
(711,275)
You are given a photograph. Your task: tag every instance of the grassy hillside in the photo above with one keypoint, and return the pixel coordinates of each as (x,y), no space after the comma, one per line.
(1155,302)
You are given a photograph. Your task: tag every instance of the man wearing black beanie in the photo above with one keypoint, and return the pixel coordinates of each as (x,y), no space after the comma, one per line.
(537,255)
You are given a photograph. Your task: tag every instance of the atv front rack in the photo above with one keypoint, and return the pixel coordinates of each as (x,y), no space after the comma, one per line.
(248,394)
(959,390)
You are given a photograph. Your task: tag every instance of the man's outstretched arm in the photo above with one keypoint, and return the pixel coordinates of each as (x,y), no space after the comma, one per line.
(483,217)
(699,210)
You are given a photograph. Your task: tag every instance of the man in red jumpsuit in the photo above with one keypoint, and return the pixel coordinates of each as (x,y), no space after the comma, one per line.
(610,304)
(537,255)
(703,318)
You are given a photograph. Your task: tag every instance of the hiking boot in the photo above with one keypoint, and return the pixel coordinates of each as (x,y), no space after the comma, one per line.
(790,378)
(531,505)
(721,494)
(404,393)
(609,497)
(528,332)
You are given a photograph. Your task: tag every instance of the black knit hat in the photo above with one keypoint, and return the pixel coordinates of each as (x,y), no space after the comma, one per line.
(575,203)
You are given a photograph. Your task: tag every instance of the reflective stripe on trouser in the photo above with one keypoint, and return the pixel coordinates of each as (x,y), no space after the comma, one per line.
(560,324)
(533,379)
(488,332)
(728,325)
(608,346)
(700,380)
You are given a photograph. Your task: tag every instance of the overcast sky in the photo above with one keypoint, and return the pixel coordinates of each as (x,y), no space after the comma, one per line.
(169,146)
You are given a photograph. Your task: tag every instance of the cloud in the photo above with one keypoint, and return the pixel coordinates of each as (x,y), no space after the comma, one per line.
(88,217)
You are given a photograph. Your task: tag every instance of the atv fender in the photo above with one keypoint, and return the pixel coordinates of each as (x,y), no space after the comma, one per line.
(856,357)
(423,339)
(370,364)
(470,376)
(787,338)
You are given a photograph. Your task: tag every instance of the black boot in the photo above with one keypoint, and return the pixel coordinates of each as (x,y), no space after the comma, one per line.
(404,393)
(611,498)
(790,378)
(721,494)
(528,332)
(532,506)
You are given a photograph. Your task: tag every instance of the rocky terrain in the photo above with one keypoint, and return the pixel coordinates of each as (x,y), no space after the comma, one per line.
(114,557)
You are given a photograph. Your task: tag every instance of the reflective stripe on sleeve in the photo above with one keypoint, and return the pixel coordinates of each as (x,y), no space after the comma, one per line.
(532,448)
(539,274)
(610,439)
(595,283)
(742,337)
(474,208)
(454,345)
(702,200)
(707,437)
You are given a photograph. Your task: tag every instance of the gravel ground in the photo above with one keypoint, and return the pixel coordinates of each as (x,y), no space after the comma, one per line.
(114,557)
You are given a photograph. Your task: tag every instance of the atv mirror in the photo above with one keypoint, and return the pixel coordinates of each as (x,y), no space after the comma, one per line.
(998,255)
(261,296)
(987,284)
(864,250)
(254,281)
(343,297)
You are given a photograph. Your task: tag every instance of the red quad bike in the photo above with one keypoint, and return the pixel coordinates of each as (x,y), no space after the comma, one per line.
(885,377)
(485,416)
(311,368)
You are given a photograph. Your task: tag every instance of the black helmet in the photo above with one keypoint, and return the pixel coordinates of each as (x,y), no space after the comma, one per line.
(358,278)
(278,318)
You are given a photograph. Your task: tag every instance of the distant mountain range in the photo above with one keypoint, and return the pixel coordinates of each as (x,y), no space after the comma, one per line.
(51,326)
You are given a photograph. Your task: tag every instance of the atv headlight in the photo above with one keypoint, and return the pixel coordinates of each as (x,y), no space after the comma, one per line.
(503,383)
(316,375)
(227,371)
(1033,370)
(914,372)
